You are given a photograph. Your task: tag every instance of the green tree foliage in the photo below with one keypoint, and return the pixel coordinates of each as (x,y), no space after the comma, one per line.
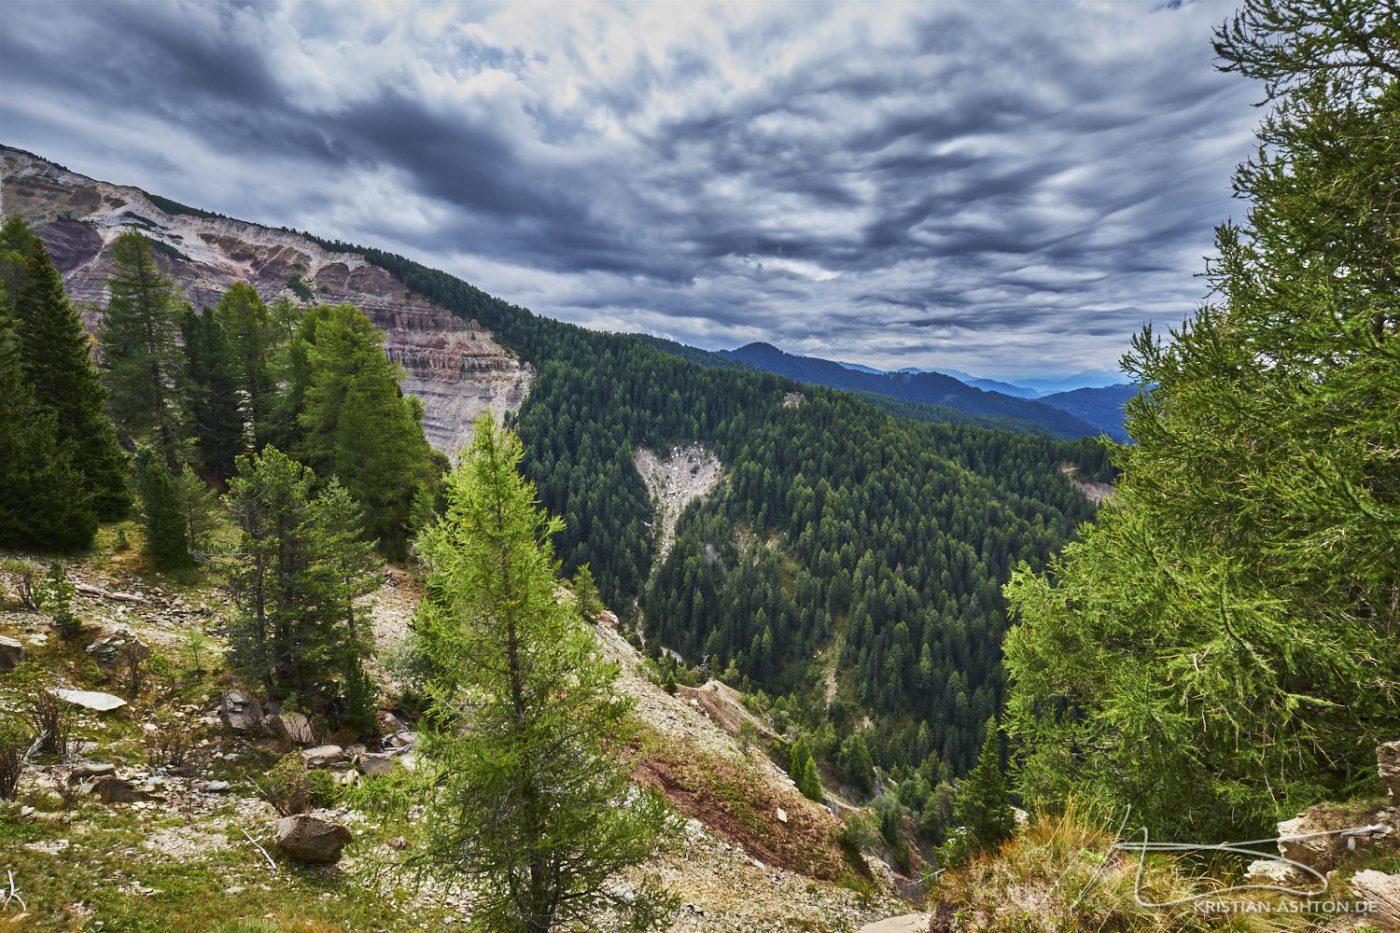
(349,571)
(524,802)
(213,400)
(65,380)
(1221,648)
(199,508)
(843,524)
(802,768)
(299,566)
(17,242)
(162,511)
(253,339)
(141,355)
(855,765)
(356,424)
(982,804)
(44,503)
(585,590)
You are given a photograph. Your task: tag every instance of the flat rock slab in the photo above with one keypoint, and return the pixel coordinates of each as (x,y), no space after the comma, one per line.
(376,765)
(322,755)
(89,770)
(91,699)
(909,923)
(1383,891)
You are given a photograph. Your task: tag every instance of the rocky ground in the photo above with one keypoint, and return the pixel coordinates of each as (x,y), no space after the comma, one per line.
(121,835)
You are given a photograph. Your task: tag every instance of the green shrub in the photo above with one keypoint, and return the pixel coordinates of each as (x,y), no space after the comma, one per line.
(286,786)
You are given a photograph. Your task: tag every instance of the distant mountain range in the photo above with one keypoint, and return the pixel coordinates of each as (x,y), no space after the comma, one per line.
(1030,387)
(1079,413)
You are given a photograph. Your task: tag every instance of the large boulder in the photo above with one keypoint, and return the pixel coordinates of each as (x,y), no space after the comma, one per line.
(1388,763)
(114,648)
(11,654)
(372,764)
(1325,836)
(291,727)
(309,839)
(240,711)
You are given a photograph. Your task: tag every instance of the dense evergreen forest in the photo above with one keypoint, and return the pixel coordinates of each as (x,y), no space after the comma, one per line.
(877,540)
(850,565)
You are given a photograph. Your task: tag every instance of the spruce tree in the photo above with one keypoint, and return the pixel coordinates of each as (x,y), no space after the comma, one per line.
(982,805)
(66,381)
(44,503)
(283,634)
(141,355)
(522,800)
(303,560)
(216,418)
(162,512)
(857,767)
(802,768)
(348,568)
(252,339)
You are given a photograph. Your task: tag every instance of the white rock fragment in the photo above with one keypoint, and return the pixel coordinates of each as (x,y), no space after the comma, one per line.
(91,699)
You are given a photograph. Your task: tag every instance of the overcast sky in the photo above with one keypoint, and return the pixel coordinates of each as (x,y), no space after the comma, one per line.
(998,187)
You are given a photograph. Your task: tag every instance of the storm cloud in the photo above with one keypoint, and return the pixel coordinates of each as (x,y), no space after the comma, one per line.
(1001,188)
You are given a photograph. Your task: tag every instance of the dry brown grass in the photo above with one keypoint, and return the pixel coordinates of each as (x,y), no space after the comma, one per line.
(1063,873)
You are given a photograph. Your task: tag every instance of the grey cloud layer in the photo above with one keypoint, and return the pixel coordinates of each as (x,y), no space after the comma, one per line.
(993,187)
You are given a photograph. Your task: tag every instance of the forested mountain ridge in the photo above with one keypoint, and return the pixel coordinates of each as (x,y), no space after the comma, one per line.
(876,543)
(922,387)
(918,411)
(453,366)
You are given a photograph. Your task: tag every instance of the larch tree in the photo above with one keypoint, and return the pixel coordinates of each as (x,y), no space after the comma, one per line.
(1219,650)
(524,799)
(349,569)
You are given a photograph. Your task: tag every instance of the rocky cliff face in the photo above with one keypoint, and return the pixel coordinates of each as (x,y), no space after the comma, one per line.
(453,365)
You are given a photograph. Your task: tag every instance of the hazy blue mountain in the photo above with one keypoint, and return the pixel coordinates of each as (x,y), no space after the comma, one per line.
(1101,407)
(857,367)
(923,387)
(1087,379)
(1005,388)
